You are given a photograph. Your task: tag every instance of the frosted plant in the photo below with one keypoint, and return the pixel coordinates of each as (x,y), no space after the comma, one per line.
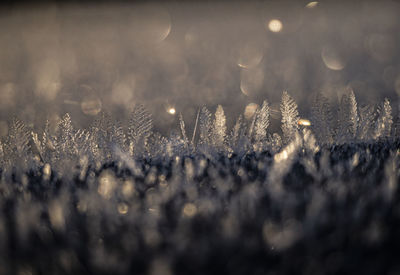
(219,128)
(384,121)
(343,125)
(321,119)
(156,146)
(102,125)
(19,137)
(183,130)
(290,117)
(140,128)
(261,124)
(238,131)
(47,142)
(18,141)
(250,131)
(353,113)
(118,137)
(65,143)
(38,145)
(107,140)
(204,125)
(175,145)
(105,135)
(366,124)
(46,146)
(102,133)
(238,141)
(120,201)
(347,118)
(82,140)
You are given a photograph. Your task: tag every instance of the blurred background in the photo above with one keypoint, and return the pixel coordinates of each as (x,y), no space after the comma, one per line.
(174,57)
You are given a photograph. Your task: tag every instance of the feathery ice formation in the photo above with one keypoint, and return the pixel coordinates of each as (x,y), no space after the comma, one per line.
(321,198)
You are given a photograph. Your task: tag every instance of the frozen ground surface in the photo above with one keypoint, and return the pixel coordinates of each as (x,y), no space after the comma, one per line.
(125,200)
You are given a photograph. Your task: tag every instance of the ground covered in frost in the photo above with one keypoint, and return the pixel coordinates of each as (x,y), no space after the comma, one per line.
(109,200)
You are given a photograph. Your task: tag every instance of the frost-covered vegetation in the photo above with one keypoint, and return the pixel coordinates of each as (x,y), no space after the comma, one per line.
(322,197)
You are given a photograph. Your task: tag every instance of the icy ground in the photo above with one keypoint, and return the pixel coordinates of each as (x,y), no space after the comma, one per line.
(322,197)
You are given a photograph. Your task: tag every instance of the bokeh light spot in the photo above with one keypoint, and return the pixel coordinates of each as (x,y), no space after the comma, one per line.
(189,210)
(275,25)
(106,184)
(304,122)
(251,81)
(312,4)
(123,208)
(150,24)
(332,59)
(250,55)
(171,111)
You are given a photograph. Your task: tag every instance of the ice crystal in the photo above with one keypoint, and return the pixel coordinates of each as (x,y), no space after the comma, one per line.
(219,128)
(238,141)
(107,138)
(366,125)
(121,198)
(262,122)
(18,143)
(384,121)
(140,127)
(347,118)
(205,125)
(290,117)
(183,131)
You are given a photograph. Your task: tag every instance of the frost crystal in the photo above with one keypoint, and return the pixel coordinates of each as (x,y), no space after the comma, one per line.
(18,142)
(347,118)
(205,125)
(219,128)
(238,141)
(366,125)
(262,122)
(107,140)
(98,198)
(384,121)
(290,117)
(140,127)
(183,131)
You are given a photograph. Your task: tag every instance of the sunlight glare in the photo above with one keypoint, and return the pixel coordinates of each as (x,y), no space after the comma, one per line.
(172,111)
